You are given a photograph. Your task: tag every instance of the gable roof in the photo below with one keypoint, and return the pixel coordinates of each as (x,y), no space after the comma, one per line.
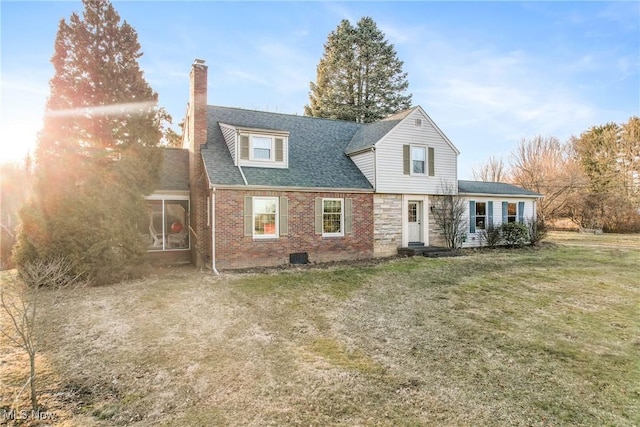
(372,133)
(494,188)
(369,134)
(317,156)
(174,170)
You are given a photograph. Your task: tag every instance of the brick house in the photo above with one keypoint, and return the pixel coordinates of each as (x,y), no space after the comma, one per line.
(254,188)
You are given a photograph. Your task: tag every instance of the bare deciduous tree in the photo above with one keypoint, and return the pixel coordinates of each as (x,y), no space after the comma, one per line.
(492,171)
(449,214)
(544,165)
(20,298)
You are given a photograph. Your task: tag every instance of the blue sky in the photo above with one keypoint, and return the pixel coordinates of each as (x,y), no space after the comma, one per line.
(488,73)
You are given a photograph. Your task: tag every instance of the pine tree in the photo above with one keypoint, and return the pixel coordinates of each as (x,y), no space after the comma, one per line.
(95,159)
(359,77)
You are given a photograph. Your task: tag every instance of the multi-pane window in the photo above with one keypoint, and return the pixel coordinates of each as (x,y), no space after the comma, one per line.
(481,215)
(413,212)
(418,159)
(332,217)
(512,212)
(261,147)
(265,216)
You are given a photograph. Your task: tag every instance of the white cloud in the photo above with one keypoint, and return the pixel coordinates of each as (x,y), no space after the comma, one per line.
(239,76)
(486,99)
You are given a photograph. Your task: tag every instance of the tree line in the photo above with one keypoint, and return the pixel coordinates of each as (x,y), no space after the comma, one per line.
(96,158)
(592,179)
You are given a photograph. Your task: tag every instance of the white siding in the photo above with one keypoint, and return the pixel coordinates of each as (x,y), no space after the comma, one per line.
(474,239)
(389,158)
(364,161)
(230,138)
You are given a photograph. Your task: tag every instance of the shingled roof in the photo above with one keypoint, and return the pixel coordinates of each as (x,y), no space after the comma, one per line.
(174,170)
(497,188)
(317,147)
(371,133)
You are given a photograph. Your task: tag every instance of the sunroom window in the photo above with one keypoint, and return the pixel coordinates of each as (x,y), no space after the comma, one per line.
(167,225)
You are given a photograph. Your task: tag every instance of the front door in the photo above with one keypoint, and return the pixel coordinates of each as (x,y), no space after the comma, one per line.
(415,221)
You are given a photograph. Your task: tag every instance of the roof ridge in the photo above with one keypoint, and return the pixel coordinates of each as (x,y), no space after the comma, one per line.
(394,116)
(288,114)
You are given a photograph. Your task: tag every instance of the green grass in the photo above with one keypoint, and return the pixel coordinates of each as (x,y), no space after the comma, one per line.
(536,336)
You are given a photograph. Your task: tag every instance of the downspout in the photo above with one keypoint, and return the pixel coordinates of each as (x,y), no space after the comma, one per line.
(375,169)
(244,178)
(426,211)
(213,230)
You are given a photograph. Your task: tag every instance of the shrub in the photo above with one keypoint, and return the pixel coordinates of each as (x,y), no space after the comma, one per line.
(537,230)
(514,233)
(491,236)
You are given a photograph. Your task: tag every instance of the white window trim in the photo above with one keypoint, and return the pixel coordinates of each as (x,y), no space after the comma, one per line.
(272,161)
(426,160)
(341,233)
(277,219)
(485,216)
(272,148)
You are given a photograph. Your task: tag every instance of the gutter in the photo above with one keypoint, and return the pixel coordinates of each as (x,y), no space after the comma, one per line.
(299,189)
(513,196)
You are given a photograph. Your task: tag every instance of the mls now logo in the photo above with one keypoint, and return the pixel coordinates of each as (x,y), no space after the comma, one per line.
(13,415)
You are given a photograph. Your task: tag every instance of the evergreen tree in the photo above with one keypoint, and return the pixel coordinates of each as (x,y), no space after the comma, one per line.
(95,159)
(15,185)
(359,77)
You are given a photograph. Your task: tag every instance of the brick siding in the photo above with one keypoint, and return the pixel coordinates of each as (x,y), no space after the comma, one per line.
(235,250)
(197,136)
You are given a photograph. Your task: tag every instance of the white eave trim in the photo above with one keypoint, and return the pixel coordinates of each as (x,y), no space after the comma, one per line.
(273,132)
(511,195)
(435,126)
(366,149)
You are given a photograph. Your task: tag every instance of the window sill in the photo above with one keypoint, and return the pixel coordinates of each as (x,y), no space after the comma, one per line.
(265,238)
(167,250)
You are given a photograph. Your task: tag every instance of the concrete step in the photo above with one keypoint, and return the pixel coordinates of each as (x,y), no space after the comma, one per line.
(428,251)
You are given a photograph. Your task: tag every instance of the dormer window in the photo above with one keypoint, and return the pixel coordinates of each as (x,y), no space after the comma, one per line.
(262,148)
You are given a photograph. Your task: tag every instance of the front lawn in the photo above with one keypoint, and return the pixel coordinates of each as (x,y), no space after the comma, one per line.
(547,336)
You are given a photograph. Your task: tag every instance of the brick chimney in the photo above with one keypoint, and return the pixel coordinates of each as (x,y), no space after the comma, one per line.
(197,106)
(196,138)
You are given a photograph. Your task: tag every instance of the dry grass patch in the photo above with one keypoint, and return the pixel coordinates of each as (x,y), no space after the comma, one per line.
(520,337)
